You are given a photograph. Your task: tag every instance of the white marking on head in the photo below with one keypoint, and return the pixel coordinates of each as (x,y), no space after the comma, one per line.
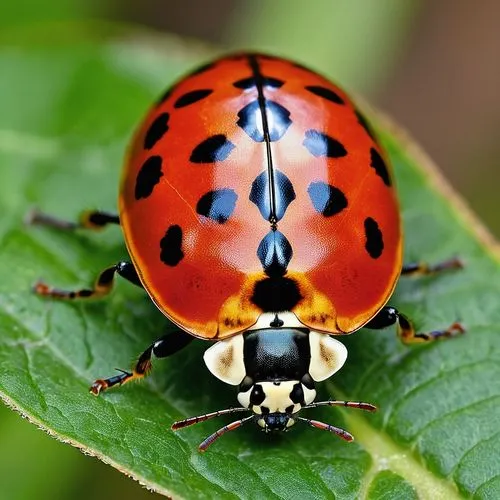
(309,394)
(277,396)
(225,360)
(328,355)
(244,397)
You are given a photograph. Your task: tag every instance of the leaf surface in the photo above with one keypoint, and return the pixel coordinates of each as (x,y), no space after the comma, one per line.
(67,113)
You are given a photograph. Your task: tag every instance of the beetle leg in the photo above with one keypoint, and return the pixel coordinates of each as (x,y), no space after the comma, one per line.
(388,316)
(103,284)
(424,269)
(89,219)
(165,346)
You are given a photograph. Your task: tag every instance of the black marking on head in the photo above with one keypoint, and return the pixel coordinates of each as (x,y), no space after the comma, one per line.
(326,199)
(378,163)
(278,120)
(202,69)
(365,124)
(211,150)
(319,144)
(276,322)
(191,97)
(328,94)
(257,395)
(156,130)
(308,381)
(246,384)
(171,246)
(276,294)
(274,253)
(374,241)
(272,355)
(297,394)
(217,205)
(283,189)
(149,175)
(251,82)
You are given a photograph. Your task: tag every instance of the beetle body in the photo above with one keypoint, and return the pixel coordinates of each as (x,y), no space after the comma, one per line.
(259,211)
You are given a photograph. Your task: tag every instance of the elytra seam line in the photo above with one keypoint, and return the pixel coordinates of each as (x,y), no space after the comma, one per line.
(259,83)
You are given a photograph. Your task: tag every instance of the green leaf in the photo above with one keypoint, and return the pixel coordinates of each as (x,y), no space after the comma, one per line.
(67,113)
(335,44)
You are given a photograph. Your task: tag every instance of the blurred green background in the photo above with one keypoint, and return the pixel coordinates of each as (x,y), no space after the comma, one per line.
(431,64)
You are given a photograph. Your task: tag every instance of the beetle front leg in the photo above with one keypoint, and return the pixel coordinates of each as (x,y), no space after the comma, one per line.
(102,286)
(389,316)
(165,346)
(89,219)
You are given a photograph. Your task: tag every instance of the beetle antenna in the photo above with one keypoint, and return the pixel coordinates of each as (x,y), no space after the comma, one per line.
(350,404)
(341,433)
(217,434)
(201,418)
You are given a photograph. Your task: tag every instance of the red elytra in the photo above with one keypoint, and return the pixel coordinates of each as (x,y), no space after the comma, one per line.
(255,185)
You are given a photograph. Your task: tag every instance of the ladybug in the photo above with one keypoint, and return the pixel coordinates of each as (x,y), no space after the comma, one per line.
(259,211)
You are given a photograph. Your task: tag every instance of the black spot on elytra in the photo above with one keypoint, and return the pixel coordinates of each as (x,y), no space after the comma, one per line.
(215,148)
(257,395)
(171,246)
(283,189)
(374,242)
(326,199)
(237,57)
(274,253)
(166,95)
(378,163)
(276,294)
(250,120)
(267,57)
(191,97)
(149,175)
(202,69)
(365,124)
(319,144)
(250,82)
(156,130)
(303,67)
(297,394)
(217,205)
(325,93)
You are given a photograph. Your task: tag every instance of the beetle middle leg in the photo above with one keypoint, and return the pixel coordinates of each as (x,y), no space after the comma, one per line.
(165,346)
(389,316)
(102,286)
(424,269)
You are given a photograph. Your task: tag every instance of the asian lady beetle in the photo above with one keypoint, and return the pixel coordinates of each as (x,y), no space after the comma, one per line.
(259,211)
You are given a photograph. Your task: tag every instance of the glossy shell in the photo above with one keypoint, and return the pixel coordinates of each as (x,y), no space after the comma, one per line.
(255,186)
